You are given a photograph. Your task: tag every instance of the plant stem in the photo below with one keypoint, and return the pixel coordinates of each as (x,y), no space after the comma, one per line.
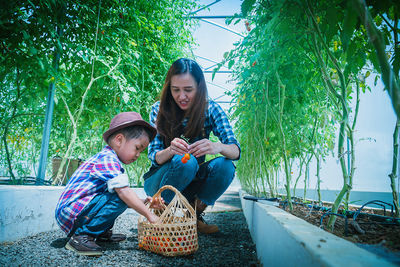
(375,38)
(318,179)
(282,88)
(306,176)
(300,172)
(6,127)
(341,97)
(393,176)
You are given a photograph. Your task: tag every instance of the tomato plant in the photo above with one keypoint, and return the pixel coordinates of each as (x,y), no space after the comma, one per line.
(91,39)
(299,72)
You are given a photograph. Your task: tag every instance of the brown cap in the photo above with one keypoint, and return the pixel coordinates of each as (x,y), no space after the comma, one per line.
(126,119)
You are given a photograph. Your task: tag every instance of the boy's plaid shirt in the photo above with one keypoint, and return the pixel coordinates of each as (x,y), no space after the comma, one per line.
(216,121)
(89,180)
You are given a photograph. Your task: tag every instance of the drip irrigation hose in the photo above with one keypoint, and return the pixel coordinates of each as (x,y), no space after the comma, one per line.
(24,180)
(377,202)
(378,219)
(255,199)
(318,208)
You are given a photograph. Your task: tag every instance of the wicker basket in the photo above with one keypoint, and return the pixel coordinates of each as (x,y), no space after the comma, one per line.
(175,233)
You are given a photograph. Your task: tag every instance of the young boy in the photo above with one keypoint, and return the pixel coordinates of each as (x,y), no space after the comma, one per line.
(98,192)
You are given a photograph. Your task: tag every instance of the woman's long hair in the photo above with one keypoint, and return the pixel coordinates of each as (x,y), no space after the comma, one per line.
(170,115)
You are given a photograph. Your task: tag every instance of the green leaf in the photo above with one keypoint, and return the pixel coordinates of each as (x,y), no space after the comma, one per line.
(374,60)
(396,61)
(213,73)
(246,7)
(25,34)
(231,63)
(33,50)
(332,18)
(40,62)
(350,20)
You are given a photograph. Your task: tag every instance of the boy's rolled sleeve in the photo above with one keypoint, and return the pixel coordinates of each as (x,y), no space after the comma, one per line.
(107,168)
(119,181)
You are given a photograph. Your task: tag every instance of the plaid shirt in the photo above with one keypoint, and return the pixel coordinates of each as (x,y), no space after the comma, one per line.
(216,121)
(89,180)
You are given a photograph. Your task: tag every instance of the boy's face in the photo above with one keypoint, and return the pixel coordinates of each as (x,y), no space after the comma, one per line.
(129,151)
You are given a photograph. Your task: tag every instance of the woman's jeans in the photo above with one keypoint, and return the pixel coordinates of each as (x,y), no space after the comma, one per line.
(207,181)
(99,215)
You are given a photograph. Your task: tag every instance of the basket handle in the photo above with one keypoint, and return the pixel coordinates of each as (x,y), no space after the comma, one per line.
(165,187)
(176,191)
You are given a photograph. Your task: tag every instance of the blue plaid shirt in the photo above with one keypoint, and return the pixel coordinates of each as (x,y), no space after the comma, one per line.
(89,180)
(216,121)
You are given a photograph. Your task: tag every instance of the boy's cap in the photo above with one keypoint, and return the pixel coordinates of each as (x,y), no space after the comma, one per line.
(126,119)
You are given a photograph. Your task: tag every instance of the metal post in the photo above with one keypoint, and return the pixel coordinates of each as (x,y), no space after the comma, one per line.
(48,121)
(348,157)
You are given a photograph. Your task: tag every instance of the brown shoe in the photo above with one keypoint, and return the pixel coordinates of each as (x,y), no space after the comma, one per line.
(202,226)
(108,236)
(84,245)
(205,228)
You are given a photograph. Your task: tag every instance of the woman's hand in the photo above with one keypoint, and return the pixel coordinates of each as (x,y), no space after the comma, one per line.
(178,147)
(203,147)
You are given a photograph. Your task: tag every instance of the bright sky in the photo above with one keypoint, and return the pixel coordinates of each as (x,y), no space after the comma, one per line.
(213,42)
(375,122)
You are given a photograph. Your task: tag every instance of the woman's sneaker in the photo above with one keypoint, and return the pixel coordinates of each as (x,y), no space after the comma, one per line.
(84,245)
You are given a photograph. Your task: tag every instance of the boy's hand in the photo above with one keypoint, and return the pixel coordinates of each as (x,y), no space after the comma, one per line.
(156,203)
(153,218)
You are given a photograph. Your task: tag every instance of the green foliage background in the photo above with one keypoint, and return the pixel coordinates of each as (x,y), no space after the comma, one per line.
(147,36)
(300,70)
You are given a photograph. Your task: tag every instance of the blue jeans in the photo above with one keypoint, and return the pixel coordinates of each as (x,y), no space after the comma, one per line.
(207,181)
(99,215)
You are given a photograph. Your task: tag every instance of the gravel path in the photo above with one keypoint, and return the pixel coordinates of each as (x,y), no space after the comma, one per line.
(232,246)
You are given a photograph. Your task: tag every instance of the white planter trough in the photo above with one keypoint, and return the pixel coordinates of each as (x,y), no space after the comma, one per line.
(282,239)
(29,210)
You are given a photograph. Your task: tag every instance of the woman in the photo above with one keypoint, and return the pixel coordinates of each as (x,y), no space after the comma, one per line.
(184,118)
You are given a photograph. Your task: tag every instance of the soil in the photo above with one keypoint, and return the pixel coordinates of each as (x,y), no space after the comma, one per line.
(366,229)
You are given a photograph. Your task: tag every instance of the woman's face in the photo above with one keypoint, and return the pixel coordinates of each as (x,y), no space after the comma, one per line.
(183,90)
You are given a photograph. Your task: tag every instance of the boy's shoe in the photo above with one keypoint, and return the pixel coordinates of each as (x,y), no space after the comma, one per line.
(84,245)
(110,237)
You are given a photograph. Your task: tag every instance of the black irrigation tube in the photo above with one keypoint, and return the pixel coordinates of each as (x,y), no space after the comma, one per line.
(26,180)
(255,199)
(378,219)
(376,202)
(318,208)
